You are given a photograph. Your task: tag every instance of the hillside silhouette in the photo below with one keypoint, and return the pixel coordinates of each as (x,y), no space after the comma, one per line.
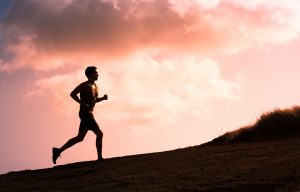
(274,125)
(264,156)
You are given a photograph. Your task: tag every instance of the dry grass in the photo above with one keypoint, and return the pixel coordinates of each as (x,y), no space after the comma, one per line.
(277,124)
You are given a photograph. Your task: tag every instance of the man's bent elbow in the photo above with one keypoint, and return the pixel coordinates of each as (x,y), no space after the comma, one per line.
(73,95)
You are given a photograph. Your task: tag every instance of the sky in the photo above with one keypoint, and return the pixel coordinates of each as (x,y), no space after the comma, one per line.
(177,73)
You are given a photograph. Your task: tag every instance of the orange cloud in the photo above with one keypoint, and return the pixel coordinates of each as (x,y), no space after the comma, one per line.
(178,80)
(60,32)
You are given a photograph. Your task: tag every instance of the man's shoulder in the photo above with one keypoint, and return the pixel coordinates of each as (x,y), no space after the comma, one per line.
(83,84)
(86,85)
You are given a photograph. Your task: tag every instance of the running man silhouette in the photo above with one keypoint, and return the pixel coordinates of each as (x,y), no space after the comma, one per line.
(88,92)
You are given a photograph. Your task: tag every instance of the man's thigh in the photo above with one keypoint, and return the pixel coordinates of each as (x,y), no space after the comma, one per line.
(88,122)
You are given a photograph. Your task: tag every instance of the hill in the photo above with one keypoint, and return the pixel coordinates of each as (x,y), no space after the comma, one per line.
(274,125)
(242,164)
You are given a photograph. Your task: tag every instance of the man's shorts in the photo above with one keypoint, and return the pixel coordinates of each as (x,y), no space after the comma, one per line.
(87,122)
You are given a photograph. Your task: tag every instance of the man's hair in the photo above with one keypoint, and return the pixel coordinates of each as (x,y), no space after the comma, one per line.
(90,70)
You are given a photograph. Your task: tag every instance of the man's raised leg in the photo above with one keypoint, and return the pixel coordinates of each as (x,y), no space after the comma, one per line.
(57,151)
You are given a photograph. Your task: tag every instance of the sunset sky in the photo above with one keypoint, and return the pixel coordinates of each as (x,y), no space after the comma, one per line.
(178,73)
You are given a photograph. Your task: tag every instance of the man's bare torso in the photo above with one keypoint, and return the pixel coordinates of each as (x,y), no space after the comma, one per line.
(88,96)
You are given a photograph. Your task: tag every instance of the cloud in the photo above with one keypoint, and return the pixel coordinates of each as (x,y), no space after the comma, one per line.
(56,90)
(50,34)
(157,54)
(152,90)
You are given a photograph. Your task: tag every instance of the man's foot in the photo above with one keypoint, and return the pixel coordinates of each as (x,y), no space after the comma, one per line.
(100,159)
(55,154)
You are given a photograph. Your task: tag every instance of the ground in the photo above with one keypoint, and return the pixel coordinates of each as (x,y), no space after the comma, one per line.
(257,166)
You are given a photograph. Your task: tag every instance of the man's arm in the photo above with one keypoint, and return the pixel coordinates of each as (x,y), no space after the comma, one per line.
(74,93)
(99,99)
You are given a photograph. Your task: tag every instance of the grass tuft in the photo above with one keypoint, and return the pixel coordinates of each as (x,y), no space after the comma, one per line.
(277,124)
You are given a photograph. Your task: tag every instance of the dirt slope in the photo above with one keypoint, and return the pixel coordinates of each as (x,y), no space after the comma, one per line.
(257,166)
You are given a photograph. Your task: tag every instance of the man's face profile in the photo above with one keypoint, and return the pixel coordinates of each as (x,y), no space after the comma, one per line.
(94,75)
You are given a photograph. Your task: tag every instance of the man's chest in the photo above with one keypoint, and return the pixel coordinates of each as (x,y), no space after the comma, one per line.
(94,90)
(91,90)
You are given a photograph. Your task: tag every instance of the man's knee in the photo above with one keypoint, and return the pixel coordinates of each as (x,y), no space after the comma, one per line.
(79,138)
(99,133)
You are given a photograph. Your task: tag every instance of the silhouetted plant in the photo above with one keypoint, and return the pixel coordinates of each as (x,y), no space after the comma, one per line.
(277,124)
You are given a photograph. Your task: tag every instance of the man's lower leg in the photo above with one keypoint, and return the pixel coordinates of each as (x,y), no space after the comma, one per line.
(55,154)
(70,143)
(99,147)
(57,151)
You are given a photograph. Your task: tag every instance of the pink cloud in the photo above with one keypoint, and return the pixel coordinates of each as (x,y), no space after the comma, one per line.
(179,76)
(150,91)
(77,30)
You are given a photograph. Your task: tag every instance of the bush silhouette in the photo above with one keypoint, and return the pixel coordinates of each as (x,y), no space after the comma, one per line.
(277,124)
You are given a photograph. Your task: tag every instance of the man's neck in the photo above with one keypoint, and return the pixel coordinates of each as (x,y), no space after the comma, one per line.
(91,81)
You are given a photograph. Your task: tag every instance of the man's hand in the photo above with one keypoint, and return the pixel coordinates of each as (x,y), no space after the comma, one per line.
(102,98)
(105,97)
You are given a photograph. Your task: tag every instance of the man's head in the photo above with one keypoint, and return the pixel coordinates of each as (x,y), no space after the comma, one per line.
(91,73)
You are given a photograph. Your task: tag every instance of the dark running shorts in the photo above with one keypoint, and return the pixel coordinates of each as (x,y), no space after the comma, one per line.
(87,122)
